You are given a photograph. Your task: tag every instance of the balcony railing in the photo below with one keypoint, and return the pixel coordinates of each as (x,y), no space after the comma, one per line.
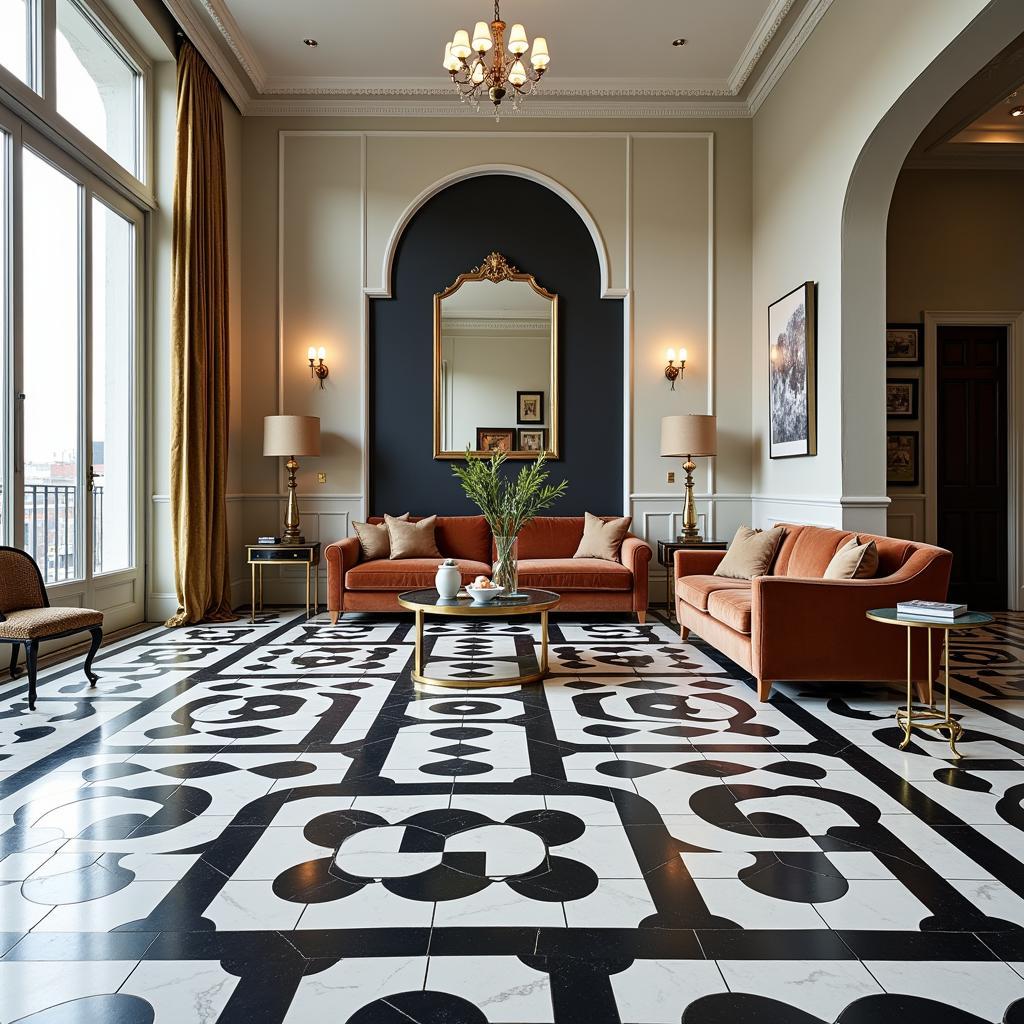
(50,530)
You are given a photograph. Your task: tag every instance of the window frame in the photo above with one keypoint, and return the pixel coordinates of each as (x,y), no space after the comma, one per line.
(35,103)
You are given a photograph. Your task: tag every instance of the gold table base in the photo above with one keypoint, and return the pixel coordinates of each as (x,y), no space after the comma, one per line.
(256,573)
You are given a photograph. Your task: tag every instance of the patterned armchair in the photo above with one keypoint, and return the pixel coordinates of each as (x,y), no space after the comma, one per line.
(27,619)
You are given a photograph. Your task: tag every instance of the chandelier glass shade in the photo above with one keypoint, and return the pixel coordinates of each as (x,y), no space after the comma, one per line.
(485,66)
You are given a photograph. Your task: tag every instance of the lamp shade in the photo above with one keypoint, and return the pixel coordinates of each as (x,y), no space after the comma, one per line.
(291,435)
(688,435)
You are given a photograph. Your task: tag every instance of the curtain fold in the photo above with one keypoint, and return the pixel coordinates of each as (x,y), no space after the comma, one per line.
(199,350)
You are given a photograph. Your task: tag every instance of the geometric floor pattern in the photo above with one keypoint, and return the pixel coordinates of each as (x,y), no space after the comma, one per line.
(269,823)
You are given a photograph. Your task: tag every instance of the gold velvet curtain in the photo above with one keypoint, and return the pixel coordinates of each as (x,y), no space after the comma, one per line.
(199,350)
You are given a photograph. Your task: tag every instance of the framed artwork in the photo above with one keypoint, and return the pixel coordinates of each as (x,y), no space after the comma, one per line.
(533,440)
(495,439)
(903,344)
(792,385)
(529,406)
(901,398)
(902,457)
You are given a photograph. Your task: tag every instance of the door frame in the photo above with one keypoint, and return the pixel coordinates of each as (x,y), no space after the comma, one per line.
(1013,321)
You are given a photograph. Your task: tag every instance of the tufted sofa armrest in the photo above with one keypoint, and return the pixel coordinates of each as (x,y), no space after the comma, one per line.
(341,556)
(635,555)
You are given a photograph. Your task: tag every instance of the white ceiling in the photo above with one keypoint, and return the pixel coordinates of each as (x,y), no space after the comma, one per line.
(607,50)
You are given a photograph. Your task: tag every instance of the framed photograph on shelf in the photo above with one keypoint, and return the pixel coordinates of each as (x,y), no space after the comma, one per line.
(533,439)
(529,407)
(495,439)
(903,344)
(792,385)
(902,457)
(901,398)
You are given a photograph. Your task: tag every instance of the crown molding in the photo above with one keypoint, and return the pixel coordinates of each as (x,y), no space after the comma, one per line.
(752,53)
(805,23)
(337,106)
(225,22)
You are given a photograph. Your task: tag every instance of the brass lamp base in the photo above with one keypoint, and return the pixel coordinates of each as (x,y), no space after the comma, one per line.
(689,532)
(291,533)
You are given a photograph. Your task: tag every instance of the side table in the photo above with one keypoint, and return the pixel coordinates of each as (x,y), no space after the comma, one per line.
(666,555)
(260,555)
(928,718)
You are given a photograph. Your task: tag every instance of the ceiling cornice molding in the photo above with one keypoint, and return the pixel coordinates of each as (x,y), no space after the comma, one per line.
(336,106)
(234,85)
(233,35)
(970,157)
(805,23)
(752,53)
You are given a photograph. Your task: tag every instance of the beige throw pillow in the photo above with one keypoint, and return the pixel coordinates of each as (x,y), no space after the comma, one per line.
(601,539)
(853,561)
(373,539)
(412,540)
(751,553)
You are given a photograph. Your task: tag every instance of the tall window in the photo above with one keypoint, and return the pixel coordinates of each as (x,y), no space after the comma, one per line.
(6,411)
(97,89)
(16,18)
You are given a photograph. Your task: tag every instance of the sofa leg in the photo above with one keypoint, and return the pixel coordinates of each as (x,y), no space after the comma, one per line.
(923,689)
(334,618)
(764,689)
(684,633)
(641,617)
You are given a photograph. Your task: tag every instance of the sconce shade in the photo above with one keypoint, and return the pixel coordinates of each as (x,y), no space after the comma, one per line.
(291,435)
(688,435)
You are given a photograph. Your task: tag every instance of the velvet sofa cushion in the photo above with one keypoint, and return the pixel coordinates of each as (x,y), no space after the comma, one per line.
(407,573)
(732,608)
(751,553)
(460,537)
(412,540)
(553,536)
(574,574)
(853,561)
(695,590)
(806,551)
(374,541)
(602,538)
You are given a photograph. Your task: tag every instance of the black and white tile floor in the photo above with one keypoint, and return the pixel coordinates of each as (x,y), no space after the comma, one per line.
(267,823)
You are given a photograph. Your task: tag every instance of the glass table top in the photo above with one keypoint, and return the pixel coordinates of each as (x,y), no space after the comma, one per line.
(964,621)
(428,599)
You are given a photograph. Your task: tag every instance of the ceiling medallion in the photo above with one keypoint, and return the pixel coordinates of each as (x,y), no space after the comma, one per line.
(475,77)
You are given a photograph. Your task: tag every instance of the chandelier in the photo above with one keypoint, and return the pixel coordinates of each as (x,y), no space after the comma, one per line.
(474,77)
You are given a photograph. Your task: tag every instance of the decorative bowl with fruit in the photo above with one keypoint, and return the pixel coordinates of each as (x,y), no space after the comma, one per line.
(483,590)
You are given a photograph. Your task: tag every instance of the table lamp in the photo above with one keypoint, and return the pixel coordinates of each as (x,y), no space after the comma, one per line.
(685,437)
(290,436)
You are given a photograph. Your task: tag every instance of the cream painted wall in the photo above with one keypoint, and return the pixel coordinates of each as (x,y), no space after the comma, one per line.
(322,198)
(808,137)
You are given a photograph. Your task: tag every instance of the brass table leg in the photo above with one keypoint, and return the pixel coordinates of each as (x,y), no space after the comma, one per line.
(418,654)
(306,595)
(908,724)
(544,642)
(955,729)
(261,586)
(252,606)
(316,589)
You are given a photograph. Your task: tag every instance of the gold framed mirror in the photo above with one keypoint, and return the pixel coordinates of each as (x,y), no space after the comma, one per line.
(495,364)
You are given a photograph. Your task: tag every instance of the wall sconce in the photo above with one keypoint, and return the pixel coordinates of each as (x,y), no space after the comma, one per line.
(317,366)
(671,370)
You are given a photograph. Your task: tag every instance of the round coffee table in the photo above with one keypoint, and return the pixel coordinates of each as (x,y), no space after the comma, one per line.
(929,718)
(429,602)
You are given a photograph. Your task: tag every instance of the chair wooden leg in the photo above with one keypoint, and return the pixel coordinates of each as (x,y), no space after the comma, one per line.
(14,661)
(96,632)
(764,689)
(641,617)
(334,618)
(31,650)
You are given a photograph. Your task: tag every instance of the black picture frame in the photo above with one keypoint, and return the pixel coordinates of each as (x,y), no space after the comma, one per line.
(903,458)
(897,409)
(526,444)
(531,418)
(788,361)
(904,344)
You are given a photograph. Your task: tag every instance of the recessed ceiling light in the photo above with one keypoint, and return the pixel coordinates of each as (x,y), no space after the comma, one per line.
(1017,112)
(310,42)
(679,42)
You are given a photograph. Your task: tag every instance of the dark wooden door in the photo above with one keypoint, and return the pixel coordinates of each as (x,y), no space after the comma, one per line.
(971,453)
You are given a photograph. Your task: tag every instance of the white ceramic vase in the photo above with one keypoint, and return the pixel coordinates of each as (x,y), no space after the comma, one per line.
(448,579)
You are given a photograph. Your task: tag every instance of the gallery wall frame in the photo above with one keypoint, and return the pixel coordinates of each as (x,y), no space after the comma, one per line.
(792,373)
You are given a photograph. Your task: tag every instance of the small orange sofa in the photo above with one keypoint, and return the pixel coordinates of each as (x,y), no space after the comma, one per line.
(794,625)
(546,549)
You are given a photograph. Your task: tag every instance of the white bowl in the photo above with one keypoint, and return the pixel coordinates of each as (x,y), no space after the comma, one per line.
(481,595)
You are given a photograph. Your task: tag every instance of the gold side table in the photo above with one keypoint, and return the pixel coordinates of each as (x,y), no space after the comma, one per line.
(429,602)
(929,718)
(260,555)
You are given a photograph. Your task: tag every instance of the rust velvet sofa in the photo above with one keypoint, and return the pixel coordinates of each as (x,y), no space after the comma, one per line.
(794,625)
(546,549)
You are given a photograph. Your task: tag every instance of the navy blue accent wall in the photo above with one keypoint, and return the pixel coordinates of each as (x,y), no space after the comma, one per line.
(537,231)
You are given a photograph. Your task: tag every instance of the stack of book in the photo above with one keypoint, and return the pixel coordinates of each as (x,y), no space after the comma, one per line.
(268,540)
(940,611)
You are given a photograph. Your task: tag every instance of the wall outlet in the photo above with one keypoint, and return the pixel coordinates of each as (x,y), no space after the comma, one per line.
(670,477)
(321,478)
